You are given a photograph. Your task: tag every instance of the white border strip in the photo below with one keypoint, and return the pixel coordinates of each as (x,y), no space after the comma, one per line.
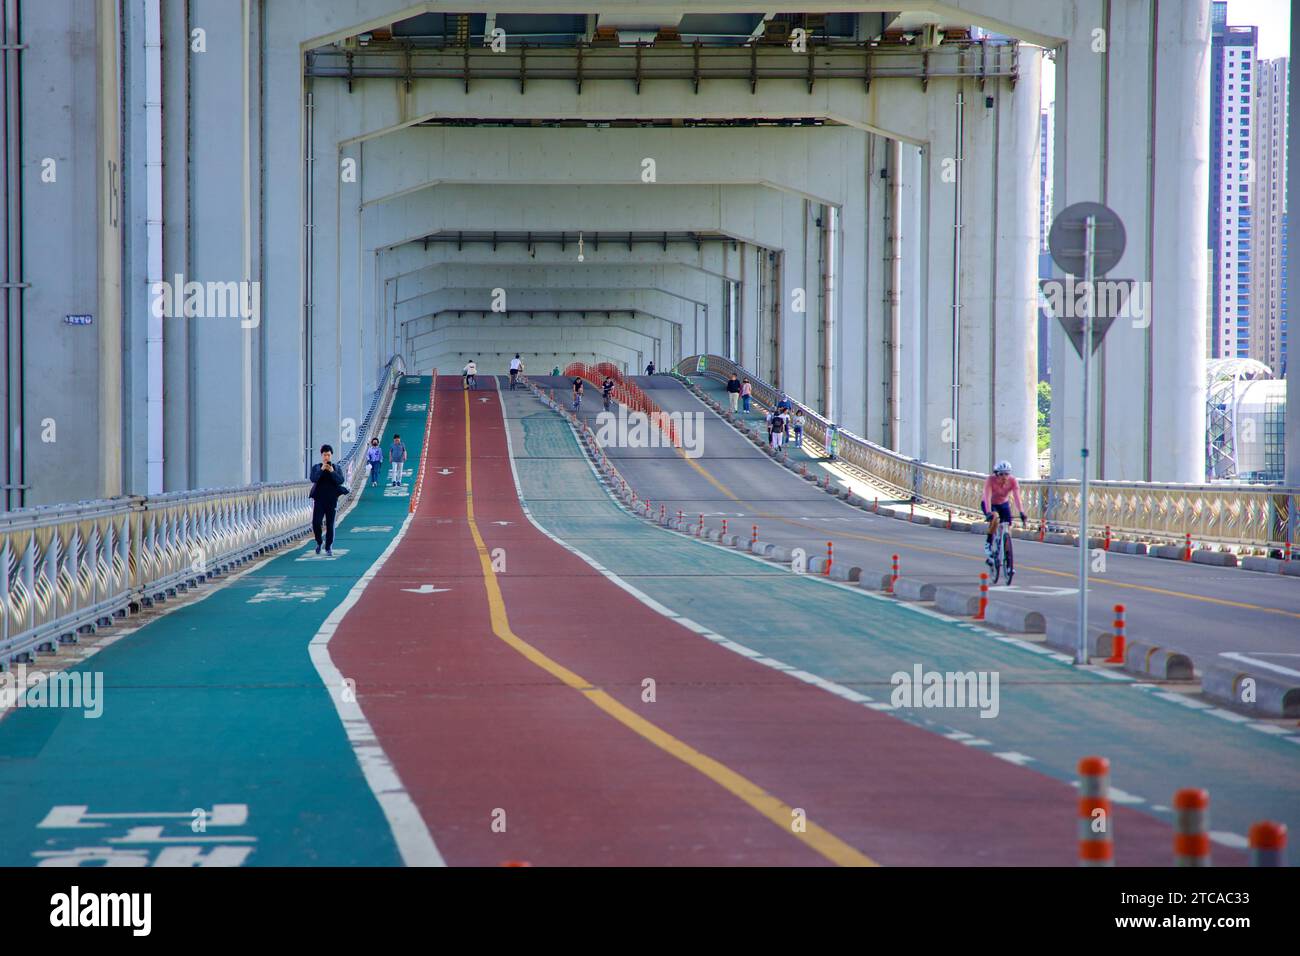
(414,841)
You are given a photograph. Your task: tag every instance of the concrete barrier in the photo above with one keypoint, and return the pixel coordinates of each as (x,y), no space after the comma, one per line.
(963,602)
(1170,552)
(910,589)
(1063,636)
(1162,663)
(875,580)
(1017,620)
(732,540)
(1262,693)
(961,526)
(1292,568)
(1056,537)
(761,548)
(921,519)
(1129,547)
(849,573)
(1219,559)
(1269,565)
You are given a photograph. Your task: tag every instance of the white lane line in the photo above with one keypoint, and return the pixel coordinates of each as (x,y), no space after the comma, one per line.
(413,839)
(1270,729)
(1229,715)
(1012,756)
(1234,840)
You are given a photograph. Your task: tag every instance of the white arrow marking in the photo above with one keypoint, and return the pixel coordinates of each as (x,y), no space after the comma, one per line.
(502,523)
(426,589)
(1245,659)
(445,471)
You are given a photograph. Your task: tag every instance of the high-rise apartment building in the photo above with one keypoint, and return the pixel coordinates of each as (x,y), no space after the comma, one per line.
(1232,95)
(1268,293)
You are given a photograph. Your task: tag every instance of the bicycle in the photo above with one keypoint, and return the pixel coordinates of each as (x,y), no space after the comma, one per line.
(577,400)
(609,402)
(1002,555)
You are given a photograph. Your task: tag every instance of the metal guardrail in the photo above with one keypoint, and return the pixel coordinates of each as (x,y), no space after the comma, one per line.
(71,567)
(1237,517)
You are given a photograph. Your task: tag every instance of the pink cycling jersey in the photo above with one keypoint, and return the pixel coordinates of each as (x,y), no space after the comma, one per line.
(998,488)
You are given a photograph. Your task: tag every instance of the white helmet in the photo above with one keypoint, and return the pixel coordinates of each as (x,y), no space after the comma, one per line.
(1002,468)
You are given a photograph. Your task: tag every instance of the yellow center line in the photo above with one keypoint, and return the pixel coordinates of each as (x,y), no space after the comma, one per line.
(815,837)
(1150,589)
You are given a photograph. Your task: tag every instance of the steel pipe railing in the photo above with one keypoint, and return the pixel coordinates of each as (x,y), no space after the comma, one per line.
(74,566)
(1240,517)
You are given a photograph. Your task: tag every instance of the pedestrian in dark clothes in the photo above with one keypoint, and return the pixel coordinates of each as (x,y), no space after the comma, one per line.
(326,488)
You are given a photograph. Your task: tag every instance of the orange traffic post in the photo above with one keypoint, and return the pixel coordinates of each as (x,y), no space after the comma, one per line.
(911,511)
(1117,640)
(949,519)
(724,527)
(753,535)
(984,596)
(827,569)
(1096,841)
(1187,548)
(699,528)
(1191,827)
(1106,543)
(663,512)
(1042,531)
(893,575)
(876,507)
(1267,843)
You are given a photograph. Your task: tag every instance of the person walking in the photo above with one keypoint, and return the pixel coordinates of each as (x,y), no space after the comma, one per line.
(397,455)
(733,392)
(516,367)
(746,393)
(778,430)
(771,423)
(326,488)
(555,370)
(374,458)
(650,369)
(798,429)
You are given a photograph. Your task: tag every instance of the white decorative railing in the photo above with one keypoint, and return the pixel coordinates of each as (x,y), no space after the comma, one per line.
(1243,517)
(71,567)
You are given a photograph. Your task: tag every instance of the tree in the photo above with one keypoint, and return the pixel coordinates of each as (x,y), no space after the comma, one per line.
(1044,415)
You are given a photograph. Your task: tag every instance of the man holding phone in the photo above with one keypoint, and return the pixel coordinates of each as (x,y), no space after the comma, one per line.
(326,488)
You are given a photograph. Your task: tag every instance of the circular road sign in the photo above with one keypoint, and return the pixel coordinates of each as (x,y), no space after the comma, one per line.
(1067,239)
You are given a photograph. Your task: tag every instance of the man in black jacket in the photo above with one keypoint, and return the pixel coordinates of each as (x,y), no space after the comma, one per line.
(326,489)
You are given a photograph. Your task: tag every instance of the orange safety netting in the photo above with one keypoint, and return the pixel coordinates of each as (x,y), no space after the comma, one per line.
(628,394)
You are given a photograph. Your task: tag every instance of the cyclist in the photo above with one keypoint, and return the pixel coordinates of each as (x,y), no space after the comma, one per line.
(999,487)
(650,369)
(607,391)
(577,393)
(516,366)
(470,372)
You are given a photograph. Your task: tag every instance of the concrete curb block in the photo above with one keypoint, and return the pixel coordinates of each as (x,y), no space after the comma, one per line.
(849,573)
(1219,559)
(957,601)
(1149,660)
(910,589)
(761,548)
(1058,538)
(1063,636)
(1170,552)
(1292,568)
(1274,695)
(875,580)
(1128,547)
(1017,620)
(1270,565)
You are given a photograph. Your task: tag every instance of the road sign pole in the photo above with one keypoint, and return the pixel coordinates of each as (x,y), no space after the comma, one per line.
(1090,248)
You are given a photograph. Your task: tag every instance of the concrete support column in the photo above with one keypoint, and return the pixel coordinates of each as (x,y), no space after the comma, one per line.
(1131,126)
(912,305)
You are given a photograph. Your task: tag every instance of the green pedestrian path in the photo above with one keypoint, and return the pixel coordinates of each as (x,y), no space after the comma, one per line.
(1050,714)
(215,707)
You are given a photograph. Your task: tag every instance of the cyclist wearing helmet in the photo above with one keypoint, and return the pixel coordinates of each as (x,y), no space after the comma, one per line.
(999,487)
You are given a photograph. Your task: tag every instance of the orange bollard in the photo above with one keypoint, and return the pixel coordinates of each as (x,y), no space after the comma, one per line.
(1267,843)
(1106,543)
(1191,827)
(724,527)
(984,596)
(679,519)
(911,511)
(663,512)
(827,569)
(1187,548)
(1042,531)
(1117,646)
(893,575)
(876,506)
(754,535)
(949,519)
(1096,841)
(699,528)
